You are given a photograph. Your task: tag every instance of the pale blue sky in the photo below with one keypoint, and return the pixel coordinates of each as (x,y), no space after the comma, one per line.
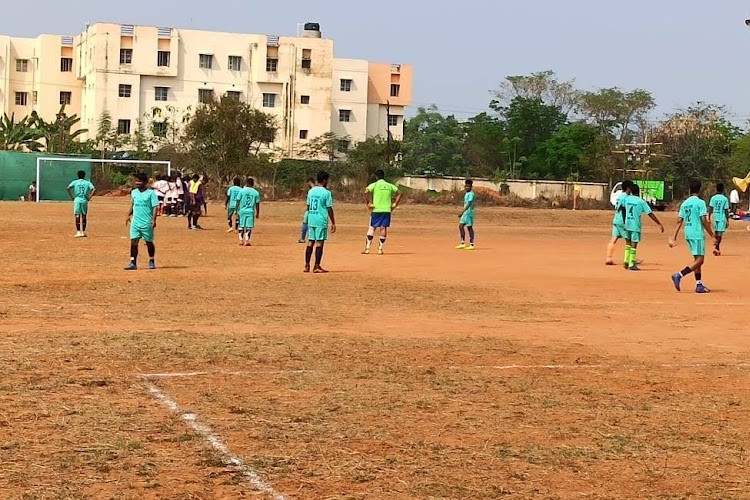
(681,50)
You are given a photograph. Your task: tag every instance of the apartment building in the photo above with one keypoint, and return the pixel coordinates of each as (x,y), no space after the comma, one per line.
(148,75)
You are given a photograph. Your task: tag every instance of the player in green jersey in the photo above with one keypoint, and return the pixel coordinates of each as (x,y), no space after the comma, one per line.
(618,224)
(305,225)
(718,207)
(248,208)
(694,216)
(633,207)
(142,220)
(380,201)
(466,217)
(81,191)
(230,204)
(320,212)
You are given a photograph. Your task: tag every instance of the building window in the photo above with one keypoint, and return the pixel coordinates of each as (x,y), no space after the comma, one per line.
(123,127)
(343,145)
(269,100)
(393,120)
(235,63)
(66,64)
(65,98)
(22,65)
(205,61)
(161,93)
(34,97)
(346,85)
(163,58)
(305,99)
(159,129)
(125,90)
(303,134)
(205,96)
(272,65)
(395,89)
(126,56)
(306,58)
(234,95)
(22,98)
(345,115)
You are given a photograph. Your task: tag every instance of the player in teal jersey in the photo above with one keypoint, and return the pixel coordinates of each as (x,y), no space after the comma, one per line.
(230,204)
(320,208)
(618,225)
(466,217)
(694,216)
(81,191)
(633,207)
(718,207)
(248,208)
(305,225)
(142,220)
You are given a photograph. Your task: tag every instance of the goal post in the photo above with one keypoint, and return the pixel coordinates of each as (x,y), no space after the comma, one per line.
(42,185)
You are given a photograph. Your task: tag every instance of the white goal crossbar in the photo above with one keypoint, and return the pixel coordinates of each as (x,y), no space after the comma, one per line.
(90,160)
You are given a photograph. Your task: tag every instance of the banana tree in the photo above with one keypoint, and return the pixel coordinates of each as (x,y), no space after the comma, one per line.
(21,135)
(58,135)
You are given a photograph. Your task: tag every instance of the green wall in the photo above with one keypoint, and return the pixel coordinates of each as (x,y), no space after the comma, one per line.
(18,170)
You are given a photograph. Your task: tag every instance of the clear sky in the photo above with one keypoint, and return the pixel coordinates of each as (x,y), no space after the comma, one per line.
(681,50)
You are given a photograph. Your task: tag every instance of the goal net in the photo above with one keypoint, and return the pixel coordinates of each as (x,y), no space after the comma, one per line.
(54,174)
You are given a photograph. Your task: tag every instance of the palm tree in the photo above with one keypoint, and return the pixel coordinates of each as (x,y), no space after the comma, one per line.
(16,136)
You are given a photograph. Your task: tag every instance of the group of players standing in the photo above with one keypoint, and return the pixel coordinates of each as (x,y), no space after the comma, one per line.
(173,197)
(694,216)
(243,209)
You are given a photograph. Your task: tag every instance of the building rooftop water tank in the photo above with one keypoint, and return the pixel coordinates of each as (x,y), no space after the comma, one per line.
(312,30)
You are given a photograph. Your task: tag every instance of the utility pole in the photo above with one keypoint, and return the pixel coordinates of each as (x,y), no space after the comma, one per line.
(389,155)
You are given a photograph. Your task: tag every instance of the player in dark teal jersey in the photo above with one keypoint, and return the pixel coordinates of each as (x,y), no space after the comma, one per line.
(618,225)
(694,216)
(634,206)
(233,196)
(320,213)
(466,218)
(718,207)
(81,191)
(305,224)
(248,208)
(142,220)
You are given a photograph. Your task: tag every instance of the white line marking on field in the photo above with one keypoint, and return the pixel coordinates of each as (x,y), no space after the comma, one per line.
(225,373)
(737,366)
(206,433)
(547,367)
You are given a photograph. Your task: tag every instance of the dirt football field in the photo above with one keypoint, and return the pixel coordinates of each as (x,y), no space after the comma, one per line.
(524,369)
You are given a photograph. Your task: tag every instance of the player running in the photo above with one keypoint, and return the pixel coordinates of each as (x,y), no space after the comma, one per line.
(694,216)
(142,220)
(381,203)
(81,191)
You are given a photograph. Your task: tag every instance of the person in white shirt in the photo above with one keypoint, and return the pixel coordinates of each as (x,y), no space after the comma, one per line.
(172,198)
(180,194)
(160,187)
(734,201)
